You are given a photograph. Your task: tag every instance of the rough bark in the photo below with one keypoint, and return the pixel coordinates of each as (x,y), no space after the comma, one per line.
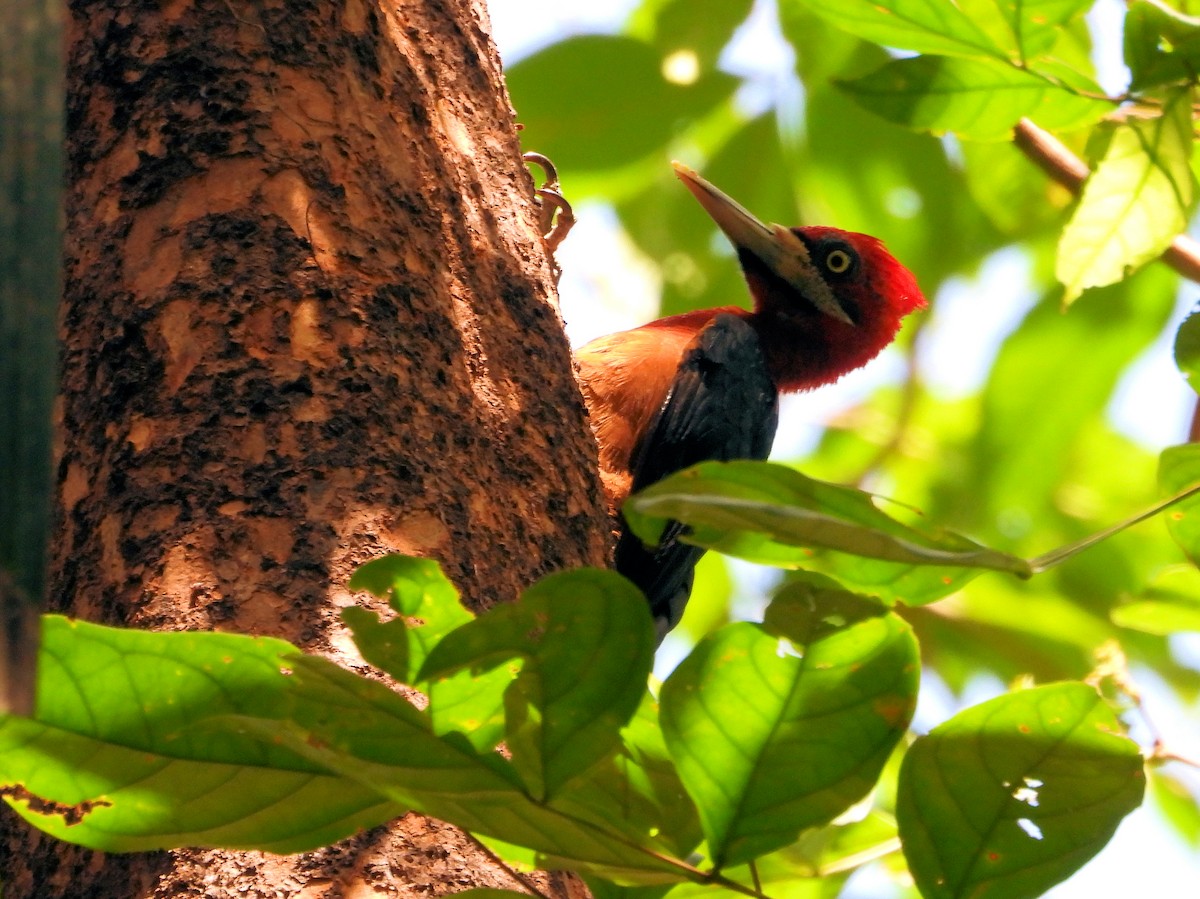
(308,319)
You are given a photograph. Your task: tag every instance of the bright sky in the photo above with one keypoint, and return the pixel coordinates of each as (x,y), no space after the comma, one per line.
(606,287)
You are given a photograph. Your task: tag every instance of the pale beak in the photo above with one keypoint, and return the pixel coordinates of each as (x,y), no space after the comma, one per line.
(779,248)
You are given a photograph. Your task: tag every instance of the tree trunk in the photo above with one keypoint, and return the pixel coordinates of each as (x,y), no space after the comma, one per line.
(308,319)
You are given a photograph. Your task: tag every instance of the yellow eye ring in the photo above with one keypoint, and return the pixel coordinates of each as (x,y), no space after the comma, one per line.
(838,262)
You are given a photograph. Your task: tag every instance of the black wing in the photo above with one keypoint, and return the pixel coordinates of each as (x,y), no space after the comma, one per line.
(722,405)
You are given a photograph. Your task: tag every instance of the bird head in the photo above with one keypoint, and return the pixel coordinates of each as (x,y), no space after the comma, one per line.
(826,301)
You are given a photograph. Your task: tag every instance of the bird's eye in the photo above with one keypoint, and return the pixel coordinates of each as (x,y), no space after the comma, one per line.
(839,261)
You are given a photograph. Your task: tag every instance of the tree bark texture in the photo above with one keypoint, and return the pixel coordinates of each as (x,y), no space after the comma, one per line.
(308,320)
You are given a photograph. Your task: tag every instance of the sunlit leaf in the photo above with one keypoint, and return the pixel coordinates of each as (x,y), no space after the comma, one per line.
(637,790)
(979,99)
(1023,29)
(426,602)
(587,645)
(773,514)
(752,702)
(1136,201)
(925,26)
(1013,795)
(115,751)
(364,731)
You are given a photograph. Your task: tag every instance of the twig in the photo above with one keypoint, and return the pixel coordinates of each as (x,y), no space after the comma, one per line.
(754,876)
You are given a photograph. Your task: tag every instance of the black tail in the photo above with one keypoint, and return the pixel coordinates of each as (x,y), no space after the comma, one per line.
(722,405)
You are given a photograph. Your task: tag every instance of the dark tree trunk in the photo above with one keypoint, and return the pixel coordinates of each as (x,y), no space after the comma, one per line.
(308,320)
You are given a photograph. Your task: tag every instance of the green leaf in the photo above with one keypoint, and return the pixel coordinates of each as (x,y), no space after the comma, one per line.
(1187,349)
(364,731)
(1162,45)
(1179,468)
(587,123)
(428,606)
(1169,605)
(587,644)
(637,790)
(925,26)
(775,732)
(770,513)
(1030,27)
(467,703)
(118,764)
(979,99)
(1137,200)
(1013,795)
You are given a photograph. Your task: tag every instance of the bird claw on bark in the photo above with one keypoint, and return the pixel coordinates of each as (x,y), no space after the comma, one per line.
(554,212)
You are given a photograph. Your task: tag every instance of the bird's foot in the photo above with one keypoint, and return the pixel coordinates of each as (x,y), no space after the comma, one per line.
(555,215)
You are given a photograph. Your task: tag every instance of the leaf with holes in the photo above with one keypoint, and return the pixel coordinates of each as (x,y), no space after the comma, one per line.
(1013,795)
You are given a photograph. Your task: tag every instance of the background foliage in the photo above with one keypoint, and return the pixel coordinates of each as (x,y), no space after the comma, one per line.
(1007,418)
(892,117)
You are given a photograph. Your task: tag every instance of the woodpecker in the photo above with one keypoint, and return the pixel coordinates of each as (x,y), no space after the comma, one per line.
(704,385)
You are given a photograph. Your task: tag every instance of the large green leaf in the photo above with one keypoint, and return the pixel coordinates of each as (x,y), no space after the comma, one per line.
(980,99)
(113,759)
(780,727)
(1137,200)
(587,646)
(925,26)
(1012,796)
(365,732)
(770,513)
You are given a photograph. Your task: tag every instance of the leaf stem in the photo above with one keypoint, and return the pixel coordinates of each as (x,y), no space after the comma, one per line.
(1060,555)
